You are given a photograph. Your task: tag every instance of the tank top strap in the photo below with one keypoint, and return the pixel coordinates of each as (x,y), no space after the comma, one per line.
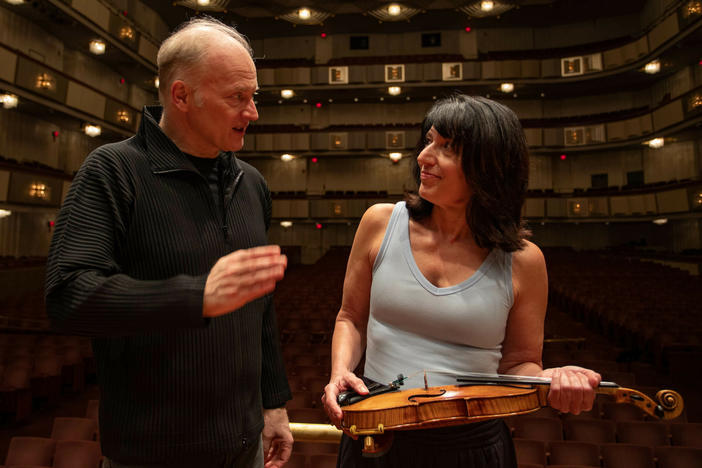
(397,218)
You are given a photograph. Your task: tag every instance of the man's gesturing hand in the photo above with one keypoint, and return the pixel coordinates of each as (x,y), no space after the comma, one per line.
(241,277)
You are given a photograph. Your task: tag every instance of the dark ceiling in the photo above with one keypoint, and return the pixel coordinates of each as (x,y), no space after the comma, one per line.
(257,19)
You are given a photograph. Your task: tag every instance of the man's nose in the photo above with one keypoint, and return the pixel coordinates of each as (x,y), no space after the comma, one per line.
(251,112)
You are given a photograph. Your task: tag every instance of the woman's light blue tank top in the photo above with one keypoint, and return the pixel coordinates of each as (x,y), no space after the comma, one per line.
(415,326)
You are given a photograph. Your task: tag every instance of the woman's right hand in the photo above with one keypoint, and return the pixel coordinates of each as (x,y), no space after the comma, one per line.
(337,384)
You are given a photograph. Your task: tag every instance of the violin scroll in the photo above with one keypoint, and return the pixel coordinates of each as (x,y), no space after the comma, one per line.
(670,402)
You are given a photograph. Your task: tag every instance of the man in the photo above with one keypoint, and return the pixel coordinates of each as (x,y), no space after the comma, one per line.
(159,254)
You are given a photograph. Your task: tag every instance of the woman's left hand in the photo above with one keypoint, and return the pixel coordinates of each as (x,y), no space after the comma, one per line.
(572,388)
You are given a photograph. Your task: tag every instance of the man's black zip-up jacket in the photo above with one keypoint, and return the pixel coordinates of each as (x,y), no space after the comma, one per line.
(134,242)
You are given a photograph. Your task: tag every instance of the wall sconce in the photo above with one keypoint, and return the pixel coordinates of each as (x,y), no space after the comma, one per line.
(157,82)
(9,101)
(286,224)
(287,157)
(5,213)
(39,190)
(123,116)
(656,143)
(691,9)
(696,101)
(126,32)
(92,130)
(394,157)
(97,46)
(304,13)
(652,67)
(15,2)
(45,82)
(660,221)
(507,87)
(287,93)
(487,5)
(394,90)
(203,2)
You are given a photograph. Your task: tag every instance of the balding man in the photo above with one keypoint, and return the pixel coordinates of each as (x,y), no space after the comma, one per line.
(160,255)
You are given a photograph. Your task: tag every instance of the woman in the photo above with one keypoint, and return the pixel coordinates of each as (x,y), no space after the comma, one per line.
(446,282)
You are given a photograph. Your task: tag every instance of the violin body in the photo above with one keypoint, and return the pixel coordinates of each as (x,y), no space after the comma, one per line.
(449,405)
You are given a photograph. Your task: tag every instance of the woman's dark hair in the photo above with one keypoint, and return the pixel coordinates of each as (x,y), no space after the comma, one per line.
(495,161)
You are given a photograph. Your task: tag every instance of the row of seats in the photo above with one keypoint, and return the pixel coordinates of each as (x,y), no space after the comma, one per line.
(73,443)
(535,453)
(602,431)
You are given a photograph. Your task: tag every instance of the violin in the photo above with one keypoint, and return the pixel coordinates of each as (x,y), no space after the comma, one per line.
(475,397)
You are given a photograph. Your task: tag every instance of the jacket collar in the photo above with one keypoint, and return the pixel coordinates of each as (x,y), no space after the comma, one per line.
(164,156)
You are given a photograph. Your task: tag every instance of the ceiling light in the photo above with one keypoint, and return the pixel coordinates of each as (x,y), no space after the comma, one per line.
(395,156)
(287,157)
(394,12)
(394,9)
(507,87)
(485,8)
(97,46)
(9,101)
(286,224)
(660,221)
(656,143)
(652,67)
(5,213)
(305,15)
(394,90)
(201,5)
(92,130)
(287,93)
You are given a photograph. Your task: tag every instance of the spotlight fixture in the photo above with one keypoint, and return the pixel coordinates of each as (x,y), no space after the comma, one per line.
(507,87)
(394,90)
(287,93)
(9,101)
(97,46)
(395,156)
(305,15)
(485,8)
(656,143)
(287,157)
(92,130)
(652,67)
(394,12)
(286,224)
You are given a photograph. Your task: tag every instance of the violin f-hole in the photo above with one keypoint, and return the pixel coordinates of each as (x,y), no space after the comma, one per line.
(426,395)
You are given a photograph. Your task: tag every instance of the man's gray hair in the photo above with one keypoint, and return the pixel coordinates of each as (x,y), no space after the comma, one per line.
(183,50)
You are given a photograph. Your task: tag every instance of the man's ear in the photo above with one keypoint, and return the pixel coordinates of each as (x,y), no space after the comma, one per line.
(181,96)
